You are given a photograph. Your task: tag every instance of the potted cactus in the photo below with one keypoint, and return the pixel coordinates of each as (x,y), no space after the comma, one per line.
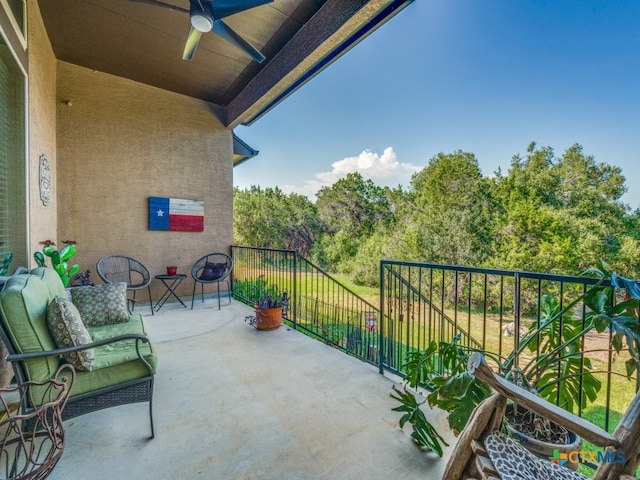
(59,259)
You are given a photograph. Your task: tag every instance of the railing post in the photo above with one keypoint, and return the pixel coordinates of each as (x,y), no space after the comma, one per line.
(516,317)
(382,327)
(295,291)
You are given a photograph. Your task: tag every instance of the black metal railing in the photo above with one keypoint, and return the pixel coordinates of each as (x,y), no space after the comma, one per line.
(486,309)
(319,305)
(491,310)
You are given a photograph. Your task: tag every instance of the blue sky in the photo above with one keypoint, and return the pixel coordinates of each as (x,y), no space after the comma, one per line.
(486,77)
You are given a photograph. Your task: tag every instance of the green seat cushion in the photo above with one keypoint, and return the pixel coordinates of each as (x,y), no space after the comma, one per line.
(67,330)
(107,377)
(117,362)
(122,351)
(102,304)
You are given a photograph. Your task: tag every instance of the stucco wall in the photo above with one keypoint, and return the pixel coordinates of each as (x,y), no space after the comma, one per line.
(119,142)
(42,127)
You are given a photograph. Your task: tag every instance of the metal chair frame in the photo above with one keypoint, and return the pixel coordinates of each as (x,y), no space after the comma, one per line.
(198,267)
(32,439)
(120,268)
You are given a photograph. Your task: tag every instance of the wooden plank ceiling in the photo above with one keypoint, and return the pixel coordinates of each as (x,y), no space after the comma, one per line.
(145,42)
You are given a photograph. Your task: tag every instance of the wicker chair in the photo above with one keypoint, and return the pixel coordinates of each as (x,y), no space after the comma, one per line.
(119,268)
(212,268)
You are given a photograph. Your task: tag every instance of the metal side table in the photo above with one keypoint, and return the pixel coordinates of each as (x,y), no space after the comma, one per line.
(171,283)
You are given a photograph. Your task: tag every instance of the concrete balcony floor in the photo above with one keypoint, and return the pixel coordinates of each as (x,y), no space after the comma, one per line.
(231,402)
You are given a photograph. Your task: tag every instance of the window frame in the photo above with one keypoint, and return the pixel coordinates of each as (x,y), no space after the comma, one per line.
(25,146)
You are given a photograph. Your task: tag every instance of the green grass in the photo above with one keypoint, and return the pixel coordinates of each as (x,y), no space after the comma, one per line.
(370,294)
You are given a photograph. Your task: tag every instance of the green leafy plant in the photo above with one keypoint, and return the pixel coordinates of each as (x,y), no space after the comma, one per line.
(272,300)
(423,432)
(454,390)
(261,294)
(4,269)
(59,259)
(263,297)
(557,368)
(549,359)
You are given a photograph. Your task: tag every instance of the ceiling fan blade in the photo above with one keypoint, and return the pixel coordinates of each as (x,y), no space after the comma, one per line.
(192,43)
(225,31)
(158,3)
(224,8)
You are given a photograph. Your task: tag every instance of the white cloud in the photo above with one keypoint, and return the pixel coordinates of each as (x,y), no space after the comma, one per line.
(383,170)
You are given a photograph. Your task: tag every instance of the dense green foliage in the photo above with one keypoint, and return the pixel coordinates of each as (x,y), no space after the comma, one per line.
(546,214)
(270,218)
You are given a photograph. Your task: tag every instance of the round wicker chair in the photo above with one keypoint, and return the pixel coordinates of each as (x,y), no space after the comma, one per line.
(212,268)
(119,268)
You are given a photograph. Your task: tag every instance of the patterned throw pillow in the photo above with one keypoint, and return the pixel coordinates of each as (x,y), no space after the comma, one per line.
(66,327)
(102,304)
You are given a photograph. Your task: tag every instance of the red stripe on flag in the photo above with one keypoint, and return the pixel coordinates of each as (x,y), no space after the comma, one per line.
(186,223)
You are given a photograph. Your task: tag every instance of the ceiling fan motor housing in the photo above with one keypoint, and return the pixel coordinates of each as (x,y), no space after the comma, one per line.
(201,20)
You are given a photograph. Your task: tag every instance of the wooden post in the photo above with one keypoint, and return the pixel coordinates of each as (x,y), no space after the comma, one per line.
(596,435)
(480,418)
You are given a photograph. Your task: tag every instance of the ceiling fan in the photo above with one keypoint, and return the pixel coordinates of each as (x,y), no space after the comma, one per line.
(207,15)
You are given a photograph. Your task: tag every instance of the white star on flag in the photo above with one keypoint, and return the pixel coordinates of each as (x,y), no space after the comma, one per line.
(160,213)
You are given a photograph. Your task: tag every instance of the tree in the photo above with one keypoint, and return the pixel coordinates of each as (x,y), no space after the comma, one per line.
(558,214)
(350,210)
(450,211)
(353,204)
(270,218)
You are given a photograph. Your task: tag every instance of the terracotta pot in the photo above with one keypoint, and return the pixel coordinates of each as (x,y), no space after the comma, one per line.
(269,318)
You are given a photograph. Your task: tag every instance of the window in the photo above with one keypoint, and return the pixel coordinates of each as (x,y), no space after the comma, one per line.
(16,14)
(13,191)
(18,9)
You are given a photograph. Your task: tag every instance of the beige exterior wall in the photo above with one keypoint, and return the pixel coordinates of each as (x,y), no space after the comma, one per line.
(41,128)
(111,144)
(119,142)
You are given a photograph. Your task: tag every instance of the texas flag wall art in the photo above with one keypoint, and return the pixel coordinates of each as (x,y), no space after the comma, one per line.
(176,214)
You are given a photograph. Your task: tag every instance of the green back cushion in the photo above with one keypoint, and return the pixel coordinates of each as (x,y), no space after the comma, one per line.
(52,280)
(23,304)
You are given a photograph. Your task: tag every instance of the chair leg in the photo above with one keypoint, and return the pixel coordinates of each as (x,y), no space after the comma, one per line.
(193,294)
(133,306)
(150,301)
(153,434)
(218,283)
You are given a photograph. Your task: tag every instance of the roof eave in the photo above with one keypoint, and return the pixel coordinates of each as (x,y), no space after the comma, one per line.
(242,151)
(336,28)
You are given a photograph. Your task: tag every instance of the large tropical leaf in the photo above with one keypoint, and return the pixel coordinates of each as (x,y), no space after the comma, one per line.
(423,432)
(570,383)
(420,366)
(459,395)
